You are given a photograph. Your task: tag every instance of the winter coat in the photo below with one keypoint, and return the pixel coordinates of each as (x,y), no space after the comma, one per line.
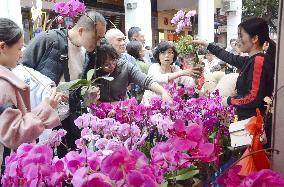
(21,125)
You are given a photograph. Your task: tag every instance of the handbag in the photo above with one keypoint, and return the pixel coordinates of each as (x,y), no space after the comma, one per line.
(240,136)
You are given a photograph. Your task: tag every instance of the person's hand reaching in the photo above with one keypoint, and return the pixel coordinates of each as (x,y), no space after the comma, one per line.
(194,72)
(200,42)
(53,98)
(92,95)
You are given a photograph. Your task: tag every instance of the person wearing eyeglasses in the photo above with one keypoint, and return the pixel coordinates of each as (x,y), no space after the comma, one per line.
(233,48)
(61,54)
(136,34)
(110,64)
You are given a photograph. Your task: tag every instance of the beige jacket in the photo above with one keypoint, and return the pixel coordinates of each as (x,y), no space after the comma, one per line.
(21,125)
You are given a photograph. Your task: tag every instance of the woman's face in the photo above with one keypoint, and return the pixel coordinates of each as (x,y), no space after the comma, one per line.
(10,55)
(188,58)
(110,65)
(141,53)
(167,57)
(245,43)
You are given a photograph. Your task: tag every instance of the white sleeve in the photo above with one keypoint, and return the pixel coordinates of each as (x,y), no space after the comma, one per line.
(155,72)
(39,84)
(40,90)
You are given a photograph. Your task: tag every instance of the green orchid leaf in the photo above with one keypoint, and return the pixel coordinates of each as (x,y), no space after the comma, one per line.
(164,184)
(66,86)
(182,174)
(187,175)
(184,45)
(183,171)
(106,78)
(90,74)
(81,82)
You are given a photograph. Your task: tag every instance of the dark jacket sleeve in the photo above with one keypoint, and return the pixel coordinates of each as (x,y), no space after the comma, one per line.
(138,77)
(38,48)
(235,60)
(90,63)
(255,95)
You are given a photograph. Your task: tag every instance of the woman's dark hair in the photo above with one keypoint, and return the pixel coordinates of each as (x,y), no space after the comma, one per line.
(10,32)
(104,52)
(133,49)
(162,47)
(271,53)
(256,27)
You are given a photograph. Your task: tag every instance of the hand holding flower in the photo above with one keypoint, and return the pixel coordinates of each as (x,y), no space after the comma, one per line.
(91,95)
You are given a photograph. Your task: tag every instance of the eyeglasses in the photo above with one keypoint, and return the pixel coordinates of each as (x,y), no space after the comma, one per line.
(111,63)
(98,37)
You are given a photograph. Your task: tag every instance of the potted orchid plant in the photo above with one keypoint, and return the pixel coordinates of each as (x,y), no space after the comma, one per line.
(87,86)
(188,51)
(184,45)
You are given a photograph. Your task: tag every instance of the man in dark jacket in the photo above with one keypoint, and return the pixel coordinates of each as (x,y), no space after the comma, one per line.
(60,54)
(50,52)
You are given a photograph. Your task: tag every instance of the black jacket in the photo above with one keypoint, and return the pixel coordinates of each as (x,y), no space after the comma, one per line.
(254,83)
(48,54)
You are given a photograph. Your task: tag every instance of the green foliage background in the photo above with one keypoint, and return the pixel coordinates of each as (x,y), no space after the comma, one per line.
(267,9)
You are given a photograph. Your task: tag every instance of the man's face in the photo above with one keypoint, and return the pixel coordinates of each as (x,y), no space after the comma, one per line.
(245,42)
(90,38)
(139,37)
(118,42)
